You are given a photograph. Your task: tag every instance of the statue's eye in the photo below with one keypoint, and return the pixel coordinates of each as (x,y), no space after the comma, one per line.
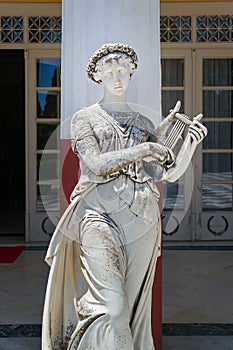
(108,74)
(121,70)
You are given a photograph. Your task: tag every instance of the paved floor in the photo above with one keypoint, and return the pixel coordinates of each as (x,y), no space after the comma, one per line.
(22,289)
(198,343)
(197,288)
(20,344)
(169,343)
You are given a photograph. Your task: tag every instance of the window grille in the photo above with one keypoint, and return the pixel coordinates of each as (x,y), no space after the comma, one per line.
(48,29)
(214,28)
(11,29)
(175,29)
(39,29)
(209,29)
(44,29)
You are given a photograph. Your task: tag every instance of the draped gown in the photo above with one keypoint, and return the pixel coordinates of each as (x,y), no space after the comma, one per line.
(103,252)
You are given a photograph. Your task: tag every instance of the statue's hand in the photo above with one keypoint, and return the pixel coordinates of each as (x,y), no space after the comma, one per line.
(197,131)
(162,154)
(171,159)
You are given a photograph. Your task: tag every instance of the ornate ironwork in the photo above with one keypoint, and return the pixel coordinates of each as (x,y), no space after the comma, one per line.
(45,29)
(175,29)
(217,28)
(48,226)
(221,232)
(48,29)
(11,29)
(171,233)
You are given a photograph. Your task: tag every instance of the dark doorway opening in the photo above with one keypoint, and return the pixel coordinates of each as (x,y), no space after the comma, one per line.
(12,143)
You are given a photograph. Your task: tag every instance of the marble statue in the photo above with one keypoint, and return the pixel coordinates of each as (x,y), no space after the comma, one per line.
(104,250)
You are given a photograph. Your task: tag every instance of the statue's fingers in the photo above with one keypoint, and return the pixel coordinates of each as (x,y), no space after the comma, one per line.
(171,155)
(199,126)
(196,122)
(204,129)
(196,133)
(170,159)
(193,137)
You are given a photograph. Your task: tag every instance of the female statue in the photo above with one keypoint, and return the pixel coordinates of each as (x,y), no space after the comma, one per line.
(104,250)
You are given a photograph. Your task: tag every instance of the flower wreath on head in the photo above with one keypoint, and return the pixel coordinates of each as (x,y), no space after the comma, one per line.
(107,49)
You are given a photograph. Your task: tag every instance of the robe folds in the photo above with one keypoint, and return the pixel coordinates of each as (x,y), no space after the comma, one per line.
(103,253)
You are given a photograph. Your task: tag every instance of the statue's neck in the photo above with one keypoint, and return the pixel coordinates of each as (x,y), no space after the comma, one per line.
(115,103)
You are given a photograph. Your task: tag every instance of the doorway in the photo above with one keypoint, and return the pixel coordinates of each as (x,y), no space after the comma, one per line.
(12,143)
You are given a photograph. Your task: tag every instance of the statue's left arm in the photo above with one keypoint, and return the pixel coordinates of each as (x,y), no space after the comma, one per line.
(196,133)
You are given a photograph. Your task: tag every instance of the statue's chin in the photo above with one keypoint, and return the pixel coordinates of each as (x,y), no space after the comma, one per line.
(118,90)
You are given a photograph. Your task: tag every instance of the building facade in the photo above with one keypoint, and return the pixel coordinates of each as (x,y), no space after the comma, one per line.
(197,66)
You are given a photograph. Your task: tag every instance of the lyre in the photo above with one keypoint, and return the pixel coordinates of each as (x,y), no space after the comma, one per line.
(178,128)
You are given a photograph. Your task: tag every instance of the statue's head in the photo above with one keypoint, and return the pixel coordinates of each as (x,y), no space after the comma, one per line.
(109,55)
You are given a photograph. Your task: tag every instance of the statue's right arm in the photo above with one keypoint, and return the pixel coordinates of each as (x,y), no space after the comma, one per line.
(85,144)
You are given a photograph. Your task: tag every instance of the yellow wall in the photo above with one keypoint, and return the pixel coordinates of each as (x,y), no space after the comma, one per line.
(195,1)
(31,1)
(57,1)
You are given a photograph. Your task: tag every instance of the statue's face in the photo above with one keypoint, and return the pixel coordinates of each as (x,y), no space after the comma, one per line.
(115,75)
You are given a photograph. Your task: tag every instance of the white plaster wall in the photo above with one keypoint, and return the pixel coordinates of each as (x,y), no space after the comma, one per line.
(87,24)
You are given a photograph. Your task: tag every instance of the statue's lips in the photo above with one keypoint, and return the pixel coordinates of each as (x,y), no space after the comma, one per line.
(119,86)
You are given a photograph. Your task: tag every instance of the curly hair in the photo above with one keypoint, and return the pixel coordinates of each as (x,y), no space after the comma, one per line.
(107,49)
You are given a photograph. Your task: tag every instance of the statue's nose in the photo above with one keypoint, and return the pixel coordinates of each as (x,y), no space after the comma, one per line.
(116,76)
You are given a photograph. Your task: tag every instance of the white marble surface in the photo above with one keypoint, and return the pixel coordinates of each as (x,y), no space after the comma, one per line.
(22,289)
(197,286)
(197,343)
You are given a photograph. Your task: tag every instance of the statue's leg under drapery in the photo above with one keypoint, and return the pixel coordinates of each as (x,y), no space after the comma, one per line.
(141,308)
(119,273)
